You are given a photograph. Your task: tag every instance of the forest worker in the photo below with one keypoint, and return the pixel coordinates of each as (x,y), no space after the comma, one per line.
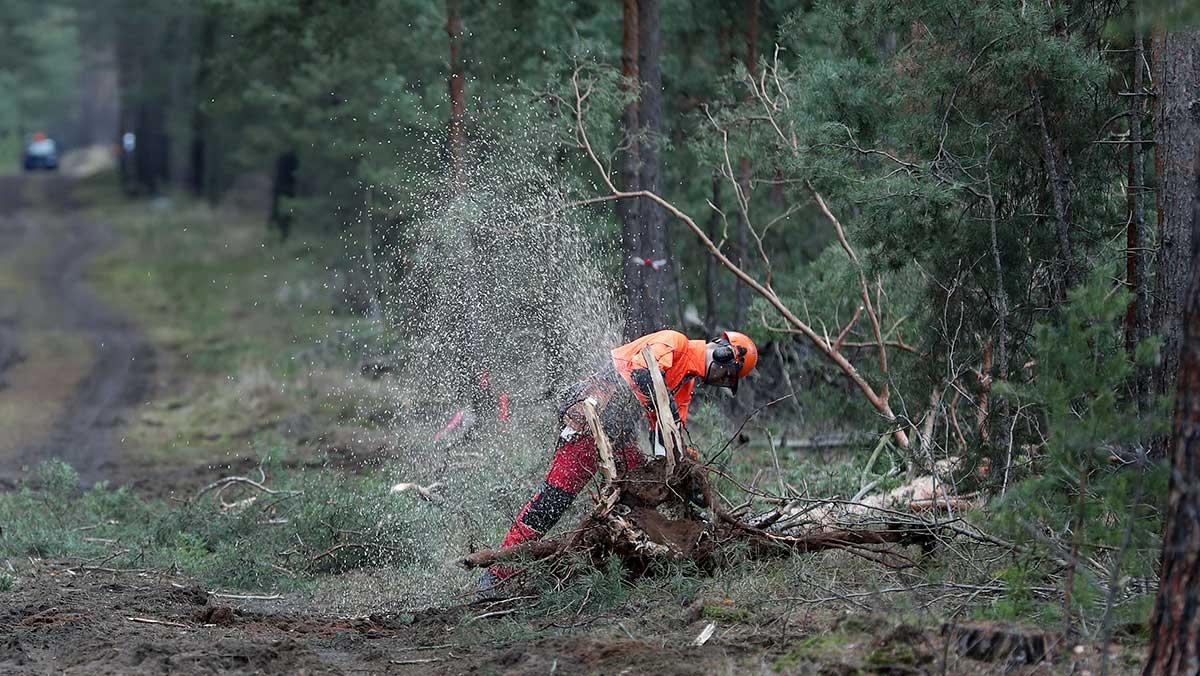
(622,393)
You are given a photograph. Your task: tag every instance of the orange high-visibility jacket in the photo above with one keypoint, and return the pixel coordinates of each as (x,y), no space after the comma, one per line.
(680,360)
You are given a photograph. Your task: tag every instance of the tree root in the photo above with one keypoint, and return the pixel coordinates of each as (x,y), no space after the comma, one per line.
(655,521)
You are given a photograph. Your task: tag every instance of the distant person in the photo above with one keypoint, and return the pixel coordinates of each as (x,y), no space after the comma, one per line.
(622,393)
(283,189)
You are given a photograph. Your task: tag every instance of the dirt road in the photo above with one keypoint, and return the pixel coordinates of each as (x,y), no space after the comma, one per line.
(70,366)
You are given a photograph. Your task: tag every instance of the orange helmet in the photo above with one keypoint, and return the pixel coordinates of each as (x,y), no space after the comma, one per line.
(745,351)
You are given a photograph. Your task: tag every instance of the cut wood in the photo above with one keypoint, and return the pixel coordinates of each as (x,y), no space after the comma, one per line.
(426,492)
(705,634)
(151,620)
(531,550)
(667,427)
(246,597)
(608,468)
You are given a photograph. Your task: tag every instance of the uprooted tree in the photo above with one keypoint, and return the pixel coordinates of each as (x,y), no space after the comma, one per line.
(668,510)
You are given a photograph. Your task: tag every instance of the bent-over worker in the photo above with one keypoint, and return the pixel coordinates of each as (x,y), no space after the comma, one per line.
(622,393)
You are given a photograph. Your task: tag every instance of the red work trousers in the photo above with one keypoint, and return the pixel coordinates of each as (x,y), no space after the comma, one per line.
(575,462)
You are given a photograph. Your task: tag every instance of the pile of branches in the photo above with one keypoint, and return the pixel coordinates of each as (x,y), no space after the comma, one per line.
(667,510)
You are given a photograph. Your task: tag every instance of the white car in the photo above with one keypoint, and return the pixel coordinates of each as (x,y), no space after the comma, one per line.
(41,153)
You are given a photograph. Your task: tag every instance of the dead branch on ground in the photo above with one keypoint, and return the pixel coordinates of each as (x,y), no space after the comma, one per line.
(221,484)
(425,492)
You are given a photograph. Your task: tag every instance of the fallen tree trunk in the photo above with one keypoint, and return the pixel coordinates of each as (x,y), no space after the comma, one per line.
(666,510)
(655,521)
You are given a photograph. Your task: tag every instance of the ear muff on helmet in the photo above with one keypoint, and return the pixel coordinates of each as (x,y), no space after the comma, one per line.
(724,353)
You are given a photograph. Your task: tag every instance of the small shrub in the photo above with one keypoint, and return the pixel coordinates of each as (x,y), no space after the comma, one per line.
(1074,497)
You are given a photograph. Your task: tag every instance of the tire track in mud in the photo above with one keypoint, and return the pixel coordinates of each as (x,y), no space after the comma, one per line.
(57,243)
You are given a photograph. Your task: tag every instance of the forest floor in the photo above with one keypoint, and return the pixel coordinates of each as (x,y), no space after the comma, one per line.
(91,584)
(68,620)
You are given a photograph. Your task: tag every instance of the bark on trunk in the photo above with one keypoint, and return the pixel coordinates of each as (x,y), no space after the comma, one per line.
(1003,420)
(474,381)
(741,252)
(1137,316)
(151,155)
(1177,125)
(1059,184)
(710,262)
(1175,624)
(145,93)
(128,81)
(743,222)
(198,171)
(653,220)
(456,141)
(628,210)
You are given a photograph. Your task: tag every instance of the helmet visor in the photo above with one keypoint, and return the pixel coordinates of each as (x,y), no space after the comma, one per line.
(722,374)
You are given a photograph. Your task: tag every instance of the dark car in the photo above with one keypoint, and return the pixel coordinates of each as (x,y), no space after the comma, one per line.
(41,153)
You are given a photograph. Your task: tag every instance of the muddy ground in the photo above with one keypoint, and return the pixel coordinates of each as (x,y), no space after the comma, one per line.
(74,621)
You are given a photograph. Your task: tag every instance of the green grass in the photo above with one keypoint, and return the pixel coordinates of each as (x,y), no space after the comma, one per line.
(12,149)
(214,286)
(318,523)
(242,323)
(808,649)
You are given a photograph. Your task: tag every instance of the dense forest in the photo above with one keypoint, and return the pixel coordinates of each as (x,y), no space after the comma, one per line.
(963,232)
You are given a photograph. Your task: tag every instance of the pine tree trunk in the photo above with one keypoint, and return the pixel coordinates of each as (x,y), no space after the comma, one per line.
(1137,316)
(1175,623)
(743,223)
(198,170)
(475,381)
(628,210)
(742,246)
(151,158)
(1058,182)
(1177,124)
(710,261)
(456,141)
(652,217)
(128,81)
(1003,434)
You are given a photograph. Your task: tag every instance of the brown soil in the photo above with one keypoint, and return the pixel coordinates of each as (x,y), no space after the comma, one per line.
(70,621)
(76,622)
